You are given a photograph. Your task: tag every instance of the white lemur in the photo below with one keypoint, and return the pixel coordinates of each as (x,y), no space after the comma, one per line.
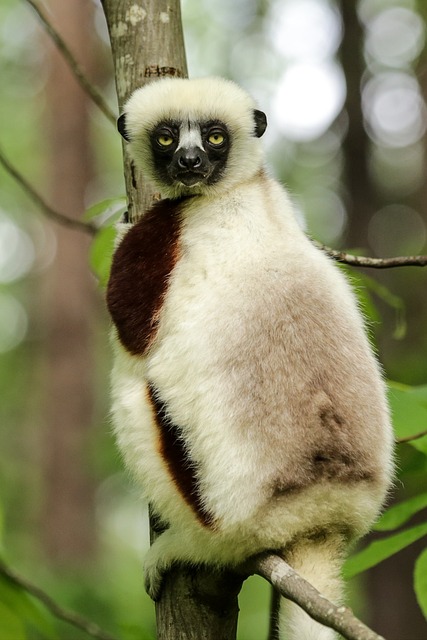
(246,398)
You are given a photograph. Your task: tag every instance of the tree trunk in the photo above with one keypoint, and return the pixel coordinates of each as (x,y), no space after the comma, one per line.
(68,528)
(361,196)
(147,43)
(198,604)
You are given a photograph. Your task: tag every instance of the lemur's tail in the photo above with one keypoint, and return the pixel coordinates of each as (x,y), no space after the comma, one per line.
(319,561)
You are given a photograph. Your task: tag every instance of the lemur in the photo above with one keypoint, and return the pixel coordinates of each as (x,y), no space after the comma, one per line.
(246,398)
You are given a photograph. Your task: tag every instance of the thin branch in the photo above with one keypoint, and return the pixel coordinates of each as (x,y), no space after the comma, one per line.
(292,586)
(47,210)
(55,609)
(86,85)
(374,263)
(416,436)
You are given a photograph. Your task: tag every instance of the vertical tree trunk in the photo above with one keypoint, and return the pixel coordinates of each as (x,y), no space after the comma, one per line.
(68,515)
(147,43)
(361,195)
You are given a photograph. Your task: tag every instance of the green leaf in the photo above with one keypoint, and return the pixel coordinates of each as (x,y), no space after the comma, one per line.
(420,581)
(394,302)
(364,297)
(105,212)
(399,514)
(101,254)
(409,412)
(1,529)
(381,549)
(29,611)
(11,628)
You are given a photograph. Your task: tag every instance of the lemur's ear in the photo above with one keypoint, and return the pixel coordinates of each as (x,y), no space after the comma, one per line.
(121,126)
(260,122)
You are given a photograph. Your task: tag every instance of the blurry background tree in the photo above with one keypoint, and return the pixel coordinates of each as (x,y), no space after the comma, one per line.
(344,85)
(69,313)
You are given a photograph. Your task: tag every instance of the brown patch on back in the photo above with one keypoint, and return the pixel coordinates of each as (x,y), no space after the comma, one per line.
(140,274)
(330,418)
(336,457)
(328,464)
(332,456)
(332,463)
(178,461)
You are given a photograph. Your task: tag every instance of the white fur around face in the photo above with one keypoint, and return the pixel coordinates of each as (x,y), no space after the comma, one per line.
(196,100)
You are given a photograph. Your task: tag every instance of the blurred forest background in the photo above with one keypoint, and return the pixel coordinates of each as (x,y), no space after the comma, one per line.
(344,85)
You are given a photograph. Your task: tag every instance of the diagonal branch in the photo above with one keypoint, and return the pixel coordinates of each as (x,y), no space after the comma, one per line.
(47,210)
(81,78)
(292,586)
(375,263)
(55,609)
(415,436)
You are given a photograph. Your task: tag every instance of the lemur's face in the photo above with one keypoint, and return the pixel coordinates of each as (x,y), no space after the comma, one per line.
(190,153)
(193,137)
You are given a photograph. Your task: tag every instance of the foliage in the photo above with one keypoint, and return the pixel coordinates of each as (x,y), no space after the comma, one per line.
(103,213)
(420,581)
(409,410)
(20,616)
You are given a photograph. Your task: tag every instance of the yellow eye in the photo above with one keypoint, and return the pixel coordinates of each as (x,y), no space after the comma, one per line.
(165,140)
(216,138)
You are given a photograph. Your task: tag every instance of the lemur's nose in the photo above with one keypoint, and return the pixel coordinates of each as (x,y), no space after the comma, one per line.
(190,159)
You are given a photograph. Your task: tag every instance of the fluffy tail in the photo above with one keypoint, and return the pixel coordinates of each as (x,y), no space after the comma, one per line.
(319,561)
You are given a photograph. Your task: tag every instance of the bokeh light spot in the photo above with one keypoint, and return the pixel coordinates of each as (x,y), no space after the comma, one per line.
(397,230)
(395,37)
(394,109)
(305,29)
(16,251)
(309,97)
(13,322)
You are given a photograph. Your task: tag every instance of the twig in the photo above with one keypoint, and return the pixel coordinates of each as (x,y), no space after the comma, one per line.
(86,85)
(416,436)
(292,586)
(374,263)
(65,615)
(51,213)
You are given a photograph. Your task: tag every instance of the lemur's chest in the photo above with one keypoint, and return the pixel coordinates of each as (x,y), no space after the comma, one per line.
(170,271)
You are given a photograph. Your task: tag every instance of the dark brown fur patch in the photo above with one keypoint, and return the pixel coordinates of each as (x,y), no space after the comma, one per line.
(332,461)
(140,273)
(335,458)
(325,465)
(180,465)
(333,464)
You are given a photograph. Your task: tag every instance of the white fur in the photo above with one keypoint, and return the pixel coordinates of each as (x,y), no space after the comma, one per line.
(320,563)
(259,333)
(189,137)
